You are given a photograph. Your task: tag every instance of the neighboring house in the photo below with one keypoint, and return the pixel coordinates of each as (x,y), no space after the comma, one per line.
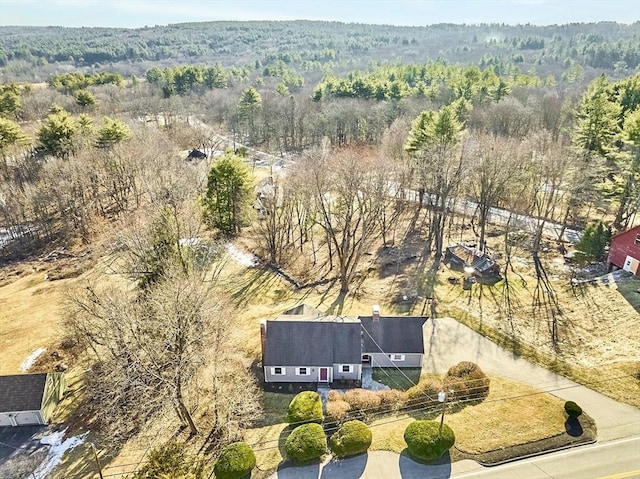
(466,257)
(267,191)
(304,345)
(624,252)
(27,399)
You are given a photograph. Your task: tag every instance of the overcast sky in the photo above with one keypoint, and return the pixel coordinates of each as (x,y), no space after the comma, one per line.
(138,13)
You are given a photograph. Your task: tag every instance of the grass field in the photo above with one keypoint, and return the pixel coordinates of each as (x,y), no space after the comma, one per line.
(598,338)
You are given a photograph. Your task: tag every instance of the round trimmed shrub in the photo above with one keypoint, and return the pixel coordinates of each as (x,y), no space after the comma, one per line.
(236,461)
(424,442)
(306,442)
(467,380)
(353,437)
(305,407)
(572,409)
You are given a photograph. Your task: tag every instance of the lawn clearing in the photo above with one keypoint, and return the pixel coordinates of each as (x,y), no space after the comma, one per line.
(401,379)
(30,318)
(522,413)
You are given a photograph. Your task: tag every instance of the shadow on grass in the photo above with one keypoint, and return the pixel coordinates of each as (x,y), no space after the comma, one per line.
(411,467)
(254,283)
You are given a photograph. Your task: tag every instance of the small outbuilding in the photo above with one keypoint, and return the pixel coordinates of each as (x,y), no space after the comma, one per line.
(466,257)
(28,399)
(624,252)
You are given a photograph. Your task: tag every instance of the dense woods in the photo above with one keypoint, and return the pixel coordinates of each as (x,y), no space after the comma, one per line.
(373,133)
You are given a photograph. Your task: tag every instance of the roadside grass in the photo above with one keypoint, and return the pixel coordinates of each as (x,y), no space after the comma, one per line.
(267,438)
(523,413)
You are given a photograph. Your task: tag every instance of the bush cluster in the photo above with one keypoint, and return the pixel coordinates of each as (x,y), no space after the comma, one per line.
(353,437)
(467,381)
(572,409)
(170,460)
(305,407)
(424,441)
(236,461)
(306,442)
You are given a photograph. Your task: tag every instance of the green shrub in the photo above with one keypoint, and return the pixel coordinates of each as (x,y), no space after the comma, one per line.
(354,437)
(236,461)
(467,381)
(306,442)
(572,409)
(423,394)
(170,460)
(305,407)
(424,442)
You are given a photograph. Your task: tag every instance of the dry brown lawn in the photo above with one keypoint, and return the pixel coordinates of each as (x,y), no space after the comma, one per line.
(598,334)
(30,318)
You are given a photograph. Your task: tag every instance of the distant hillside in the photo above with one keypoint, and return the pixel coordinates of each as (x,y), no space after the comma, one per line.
(320,46)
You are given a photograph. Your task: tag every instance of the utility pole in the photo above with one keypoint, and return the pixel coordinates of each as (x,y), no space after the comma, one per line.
(95,456)
(442,397)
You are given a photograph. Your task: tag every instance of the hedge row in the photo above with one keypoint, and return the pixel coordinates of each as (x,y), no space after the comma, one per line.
(466,380)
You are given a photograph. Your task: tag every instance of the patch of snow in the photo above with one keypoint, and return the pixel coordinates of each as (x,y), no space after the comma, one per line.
(27,363)
(57,449)
(243,259)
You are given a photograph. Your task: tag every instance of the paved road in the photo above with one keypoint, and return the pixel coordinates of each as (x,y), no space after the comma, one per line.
(612,460)
(448,342)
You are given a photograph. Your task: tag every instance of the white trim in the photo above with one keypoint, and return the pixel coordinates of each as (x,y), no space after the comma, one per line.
(396,357)
(282,372)
(348,366)
(300,373)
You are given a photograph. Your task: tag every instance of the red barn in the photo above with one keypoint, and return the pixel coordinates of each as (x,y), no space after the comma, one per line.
(625,251)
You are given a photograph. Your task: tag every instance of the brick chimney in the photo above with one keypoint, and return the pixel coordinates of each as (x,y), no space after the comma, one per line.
(376,313)
(263,336)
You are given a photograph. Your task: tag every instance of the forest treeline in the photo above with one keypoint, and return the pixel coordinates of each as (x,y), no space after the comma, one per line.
(311,46)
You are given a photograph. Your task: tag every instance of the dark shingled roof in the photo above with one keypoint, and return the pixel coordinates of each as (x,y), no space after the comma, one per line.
(312,343)
(22,392)
(393,334)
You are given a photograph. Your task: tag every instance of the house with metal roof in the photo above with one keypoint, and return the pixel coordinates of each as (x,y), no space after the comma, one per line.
(27,399)
(304,345)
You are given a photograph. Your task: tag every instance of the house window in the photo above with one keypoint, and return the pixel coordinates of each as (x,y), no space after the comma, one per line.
(638,239)
(278,371)
(302,371)
(396,357)
(346,368)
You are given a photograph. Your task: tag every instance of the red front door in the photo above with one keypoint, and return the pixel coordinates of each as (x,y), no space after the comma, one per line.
(324,374)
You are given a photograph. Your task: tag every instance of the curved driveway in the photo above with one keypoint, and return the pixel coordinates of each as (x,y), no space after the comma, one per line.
(448,342)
